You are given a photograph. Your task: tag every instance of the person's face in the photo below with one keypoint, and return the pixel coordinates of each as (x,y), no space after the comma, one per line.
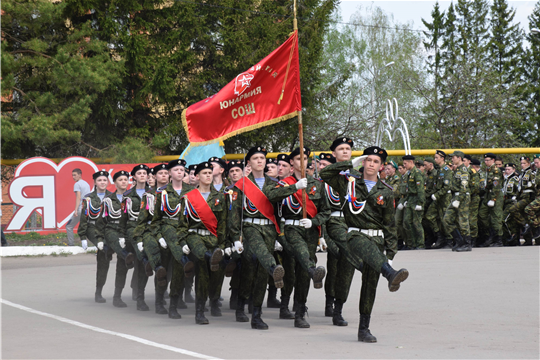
(508,170)
(342,153)
(101,183)
(162,176)
(323,164)
(439,159)
(151,180)
(217,170)
(372,165)
(390,170)
(205,176)
(235,174)
(121,183)
(422,168)
(247,170)
(537,163)
(408,164)
(401,169)
(488,161)
(467,162)
(284,169)
(476,167)
(140,176)
(272,170)
(257,162)
(192,177)
(456,160)
(524,164)
(498,163)
(76,176)
(297,162)
(186,177)
(310,171)
(429,166)
(177,173)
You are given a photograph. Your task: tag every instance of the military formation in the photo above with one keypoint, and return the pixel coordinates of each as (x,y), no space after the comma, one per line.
(260,223)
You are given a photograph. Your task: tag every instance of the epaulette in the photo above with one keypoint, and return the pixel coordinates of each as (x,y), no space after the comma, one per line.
(273,179)
(128,192)
(87,195)
(473,170)
(162,188)
(230,187)
(388,186)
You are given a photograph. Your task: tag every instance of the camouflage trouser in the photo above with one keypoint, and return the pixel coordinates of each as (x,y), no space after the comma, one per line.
(399,222)
(157,256)
(458,217)
(491,217)
(435,215)
(303,243)
(473,215)
(177,280)
(510,227)
(289,263)
(340,270)
(199,245)
(412,222)
(103,258)
(112,236)
(533,212)
(518,210)
(368,248)
(370,279)
(139,273)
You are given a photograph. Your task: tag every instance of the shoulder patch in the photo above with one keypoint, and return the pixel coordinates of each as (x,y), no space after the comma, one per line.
(273,179)
(128,192)
(388,186)
(446,167)
(162,188)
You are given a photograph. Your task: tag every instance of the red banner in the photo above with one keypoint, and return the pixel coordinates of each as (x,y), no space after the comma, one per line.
(265,94)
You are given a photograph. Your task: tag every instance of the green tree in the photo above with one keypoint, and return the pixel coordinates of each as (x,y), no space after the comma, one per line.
(531,72)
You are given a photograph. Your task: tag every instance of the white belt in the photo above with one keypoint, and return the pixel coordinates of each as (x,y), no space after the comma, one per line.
(258,221)
(292,222)
(456,193)
(449,191)
(368,232)
(337,213)
(132,219)
(114,222)
(170,218)
(91,221)
(528,191)
(200,231)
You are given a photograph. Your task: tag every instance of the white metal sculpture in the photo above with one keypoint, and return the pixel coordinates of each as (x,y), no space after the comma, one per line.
(392,125)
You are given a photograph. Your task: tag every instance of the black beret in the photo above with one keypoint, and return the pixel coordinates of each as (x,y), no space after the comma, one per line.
(283,157)
(219,161)
(192,167)
(296,152)
(175,163)
(204,165)
(526,158)
(341,140)
(256,150)
(408,157)
(100,173)
(327,157)
(310,165)
(490,155)
(139,167)
(510,165)
(271,161)
(120,173)
(159,168)
(235,163)
(475,162)
(440,153)
(468,157)
(375,150)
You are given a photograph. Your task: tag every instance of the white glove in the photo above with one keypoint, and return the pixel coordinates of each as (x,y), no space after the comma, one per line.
(433,197)
(228,251)
(455,204)
(100,245)
(301,184)
(186,250)
(84,244)
(122,242)
(514,198)
(405,203)
(140,246)
(322,244)
(238,246)
(318,248)
(400,207)
(277,246)
(306,223)
(163,243)
(418,208)
(390,262)
(357,161)
(491,203)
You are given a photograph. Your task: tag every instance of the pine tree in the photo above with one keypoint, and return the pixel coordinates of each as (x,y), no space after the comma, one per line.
(531,72)
(433,45)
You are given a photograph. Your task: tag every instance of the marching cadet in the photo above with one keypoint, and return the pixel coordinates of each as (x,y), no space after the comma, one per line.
(271,170)
(147,239)
(340,263)
(490,212)
(430,189)
(533,209)
(192,178)
(526,196)
(474,182)
(167,212)
(302,234)
(131,205)
(108,230)
(272,167)
(220,172)
(510,190)
(369,215)
(91,210)
(202,233)
(253,220)
(441,201)
(151,178)
(414,204)
(456,218)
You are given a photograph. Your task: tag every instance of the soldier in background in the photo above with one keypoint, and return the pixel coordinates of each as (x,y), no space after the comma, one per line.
(490,212)
(414,205)
(441,201)
(474,182)
(430,189)
(526,196)
(401,191)
(510,190)
(499,163)
(533,209)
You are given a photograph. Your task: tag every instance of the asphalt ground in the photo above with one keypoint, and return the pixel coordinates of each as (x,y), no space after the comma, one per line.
(483,304)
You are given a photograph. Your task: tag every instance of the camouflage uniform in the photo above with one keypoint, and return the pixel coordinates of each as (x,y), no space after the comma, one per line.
(436,211)
(474,177)
(491,217)
(430,188)
(511,192)
(412,219)
(401,192)
(533,209)
(459,217)
(526,196)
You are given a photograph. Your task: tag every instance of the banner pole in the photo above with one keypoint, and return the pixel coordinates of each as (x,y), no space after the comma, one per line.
(300,132)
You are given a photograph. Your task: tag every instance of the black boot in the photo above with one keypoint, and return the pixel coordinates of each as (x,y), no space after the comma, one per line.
(490,239)
(458,240)
(98,298)
(199,313)
(230,266)
(161,275)
(284,312)
(173,313)
(466,246)
(250,305)
(394,277)
(272,301)
(277,272)
(363,330)
(188,265)
(497,241)
(160,309)
(240,314)
(295,306)
(181,303)
(256,321)
(337,319)
(441,241)
(129,258)
(474,242)
(214,308)
(233,300)
(526,229)
(141,305)
(329,306)
(214,259)
(299,320)
(117,300)
(317,274)
(147,267)
(536,233)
